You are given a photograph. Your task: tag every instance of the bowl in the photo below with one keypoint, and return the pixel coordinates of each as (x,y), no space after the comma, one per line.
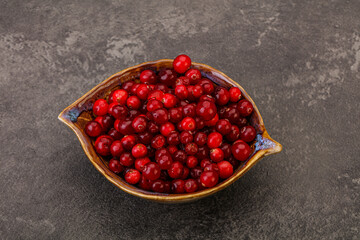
(79,113)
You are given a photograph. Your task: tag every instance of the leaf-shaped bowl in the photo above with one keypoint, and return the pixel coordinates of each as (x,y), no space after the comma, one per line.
(79,113)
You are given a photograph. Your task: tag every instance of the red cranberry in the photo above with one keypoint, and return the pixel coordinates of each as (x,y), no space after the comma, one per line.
(178,186)
(214,140)
(226,148)
(160,115)
(188,124)
(189,110)
(153,128)
(141,162)
(185,173)
(151,171)
(200,124)
(213,121)
(145,183)
(194,75)
(235,163)
(186,137)
(169,100)
(100,107)
(191,161)
(106,121)
(127,85)
(133,102)
(158,186)
(142,91)
(145,137)
(211,167)
(209,179)
(191,148)
(247,133)
(232,114)
(116,148)
(148,76)
(191,185)
(118,111)
(167,128)
(93,129)
(203,152)
(234,134)
(133,113)
(158,141)
(245,108)
(128,142)
(172,149)
(126,159)
(242,122)
(115,166)
(161,87)
(208,88)
(124,127)
(175,115)
(195,172)
(223,126)
(240,150)
(222,96)
(200,138)
(134,88)
(225,169)
(173,138)
(181,63)
(119,96)
(139,150)
(197,91)
(114,134)
(182,81)
(164,161)
(216,155)
(206,98)
(180,156)
(156,94)
(176,170)
(132,176)
(167,77)
(139,124)
(204,163)
(181,91)
(102,145)
(235,94)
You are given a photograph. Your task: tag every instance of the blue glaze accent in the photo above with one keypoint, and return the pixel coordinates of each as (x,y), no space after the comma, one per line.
(73,114)
(263,143)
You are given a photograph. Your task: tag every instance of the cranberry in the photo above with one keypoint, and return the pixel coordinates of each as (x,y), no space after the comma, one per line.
(133,102)
(206,98)
(191,161)
(128,142)
(141,162)
(208,88)
(158,186)
(173,138)
(118,111)
(197,91)
(126,159)
(148,76)
(145,137)
(161,87)
(182,81)
(134,88)
(164,161)
(167,128)
(235,94)
(234,134)
(153,128)
(245,108)
(222,96)
(233,115)
(169,100)
(216,155)
(100,107)
(180,156)
(175,115)
(158,141)
(223,126)
(191,185)
(226,148)
(167,77)
(172,149)
(203,152)
(133,113)
(225,169)
(114,134)
(209,179)
(145,183)
(213,121)
(211,167)
(191,148)
(200,138)
(200,124)
(142,91)
(156,94)
(247,133)
(151,171)
(116,148)
(176,170)
(194,75)
(181,91)
(186,137)
(102,145)
(124,127)
(127,85)
(188,124)
(160,115)
(235,163)
(178,186)
(106,121)
(93,129)
(185,173)
(115,166)
(195,172)
(214,140)
(139,150)
(242,122)
(181,63)
(139,124)
(189,110)
(132,176)
(240,150)
(119,96)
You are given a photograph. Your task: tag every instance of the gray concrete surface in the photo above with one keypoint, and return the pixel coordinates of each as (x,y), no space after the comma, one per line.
(299,60)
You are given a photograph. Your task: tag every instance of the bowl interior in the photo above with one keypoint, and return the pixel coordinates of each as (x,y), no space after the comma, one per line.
(79,113)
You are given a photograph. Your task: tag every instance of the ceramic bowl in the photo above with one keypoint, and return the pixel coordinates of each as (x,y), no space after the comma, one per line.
(78,114)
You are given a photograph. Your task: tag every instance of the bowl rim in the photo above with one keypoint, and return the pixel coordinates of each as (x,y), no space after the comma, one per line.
(162,197)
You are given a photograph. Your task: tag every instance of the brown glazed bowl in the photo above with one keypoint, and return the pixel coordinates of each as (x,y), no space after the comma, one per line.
(79,113)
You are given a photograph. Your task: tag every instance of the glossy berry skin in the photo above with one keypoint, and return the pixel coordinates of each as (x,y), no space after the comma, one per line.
(160,152)
(154,104)
(208,88)
(139,150)
(93,129)
(216,155)
(158,141)
(223,126)
(225,169)
(132,176)
(206,98)
(214,140)
(148,76)
(191,185)
(133,102)
(213,121)
(189,110)
(119,96)
(181,91)
(151,171)
(128,142)
(191,162)
(194,75)
(245,108)
(188,124)
(222,96)
(226,148)
(125,127)
(115,166)
(203,152)
(181,63)
(240,150)
(175,115)
(160,115)
(235,94)
(118,111)
(116,148)
(234,134)
(233,115)
(206,110)
(200,138)
(145,137)
(158,186)
(178,186)
(153,128)
(106,121)
(186,137)
(139,124)
(176,170)
(191,148)
(197,91)
(209,179)
(164,161)
(145,183)
(100,107)
(142,91)
(247,133)
(141,162)
(182,81)
(179,156)
(204,163)
(172,149)
(167,128)
(167,77)
(114,134)
(169,100)
(102,145)
(126,159)
(155,94)
(173,139)
(211,167)
(195,172)
(127,85)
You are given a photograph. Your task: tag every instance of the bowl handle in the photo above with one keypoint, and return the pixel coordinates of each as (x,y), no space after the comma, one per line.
(265,142)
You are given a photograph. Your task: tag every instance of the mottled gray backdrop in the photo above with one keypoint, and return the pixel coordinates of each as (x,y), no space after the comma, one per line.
(299,60)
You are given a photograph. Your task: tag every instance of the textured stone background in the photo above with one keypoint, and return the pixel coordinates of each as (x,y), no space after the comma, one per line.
(299,60)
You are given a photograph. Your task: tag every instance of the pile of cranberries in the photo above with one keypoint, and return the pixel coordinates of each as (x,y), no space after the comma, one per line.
(173,131)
